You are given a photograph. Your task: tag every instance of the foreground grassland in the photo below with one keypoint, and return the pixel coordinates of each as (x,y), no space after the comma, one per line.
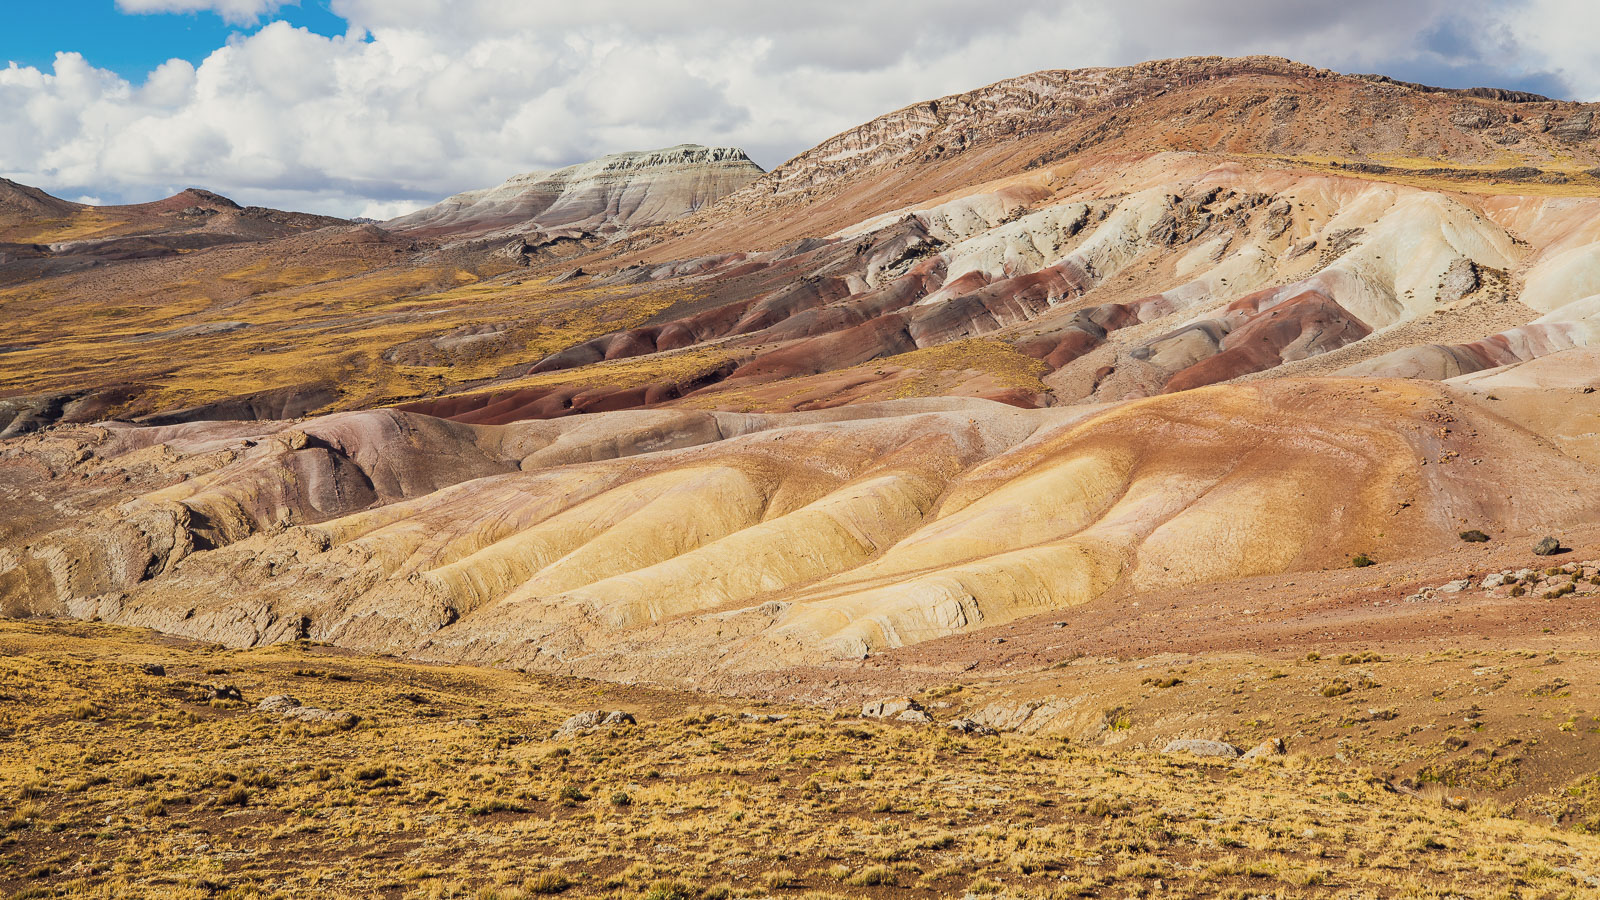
(120,783)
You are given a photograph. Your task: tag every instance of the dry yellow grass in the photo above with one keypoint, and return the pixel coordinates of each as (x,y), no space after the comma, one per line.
(339,317)
(452,786)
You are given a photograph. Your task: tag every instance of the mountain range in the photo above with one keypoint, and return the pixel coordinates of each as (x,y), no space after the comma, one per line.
(1057,345)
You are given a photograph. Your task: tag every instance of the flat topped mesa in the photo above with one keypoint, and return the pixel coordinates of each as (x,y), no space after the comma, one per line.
(613,193)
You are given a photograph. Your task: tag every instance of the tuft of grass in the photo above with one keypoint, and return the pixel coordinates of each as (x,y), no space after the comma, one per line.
(547,883)
(872,876)
(235,796)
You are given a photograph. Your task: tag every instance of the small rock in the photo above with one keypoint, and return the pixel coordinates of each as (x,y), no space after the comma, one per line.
(762,718)
(914,716)
(277,703)
(968,726)
(1270,747)
(1455,587)
(1546,547)
(1493,581)
(887,709)
(156,669)
(223,692)
(997,640)
(618,717)
(1203,748)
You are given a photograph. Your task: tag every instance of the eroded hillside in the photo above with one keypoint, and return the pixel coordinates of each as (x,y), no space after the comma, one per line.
(1058,344)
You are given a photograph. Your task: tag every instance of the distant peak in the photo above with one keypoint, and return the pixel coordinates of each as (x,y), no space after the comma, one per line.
(203,196)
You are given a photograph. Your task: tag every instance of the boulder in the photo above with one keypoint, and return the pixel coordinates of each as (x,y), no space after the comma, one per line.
(1548,546)
(287,707)
(1455,587)
(1203,748)
(914,716)
(590,720)
(889,709)
(1493,581)
(156,669)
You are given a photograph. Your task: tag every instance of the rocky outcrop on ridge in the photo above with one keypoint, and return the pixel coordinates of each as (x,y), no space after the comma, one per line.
(619,191)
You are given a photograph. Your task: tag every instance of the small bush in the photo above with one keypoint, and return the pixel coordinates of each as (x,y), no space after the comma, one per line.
(1361,561)
(1474,536)
(85,709)
(238,796)
(1337,688)
(571,793)
(621,798)
(1365,656)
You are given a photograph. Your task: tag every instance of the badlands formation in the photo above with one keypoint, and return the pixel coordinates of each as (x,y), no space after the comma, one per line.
(1028,360)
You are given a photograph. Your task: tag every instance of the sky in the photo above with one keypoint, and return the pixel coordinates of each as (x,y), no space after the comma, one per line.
(379,107)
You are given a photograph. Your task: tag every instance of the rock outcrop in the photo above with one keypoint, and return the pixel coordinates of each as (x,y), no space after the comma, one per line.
(623,190)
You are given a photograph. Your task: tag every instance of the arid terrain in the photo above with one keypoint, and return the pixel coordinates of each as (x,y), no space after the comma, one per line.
(1221,400)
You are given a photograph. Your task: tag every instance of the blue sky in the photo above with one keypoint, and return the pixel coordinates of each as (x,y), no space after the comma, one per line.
(378,107)
(131,44)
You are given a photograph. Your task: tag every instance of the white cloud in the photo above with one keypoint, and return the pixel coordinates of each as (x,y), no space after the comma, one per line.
(236,11)
(423,98)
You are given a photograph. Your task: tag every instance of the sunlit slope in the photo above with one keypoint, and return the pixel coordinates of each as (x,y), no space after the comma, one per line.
(672,542)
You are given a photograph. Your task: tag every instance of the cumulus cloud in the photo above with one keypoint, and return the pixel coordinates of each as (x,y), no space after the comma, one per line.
(235,11)
(422,98)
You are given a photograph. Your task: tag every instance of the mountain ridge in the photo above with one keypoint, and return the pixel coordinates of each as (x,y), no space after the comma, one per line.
(606,194)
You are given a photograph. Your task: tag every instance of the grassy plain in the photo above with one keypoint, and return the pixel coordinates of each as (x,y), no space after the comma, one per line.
(119,783)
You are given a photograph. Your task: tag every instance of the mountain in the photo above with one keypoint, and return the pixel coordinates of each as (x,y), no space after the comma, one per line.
(1052,349)
(60,236)
(622,190)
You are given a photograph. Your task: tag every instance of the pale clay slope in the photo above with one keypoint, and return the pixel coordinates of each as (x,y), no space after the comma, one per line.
(893,524)
(669,543)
